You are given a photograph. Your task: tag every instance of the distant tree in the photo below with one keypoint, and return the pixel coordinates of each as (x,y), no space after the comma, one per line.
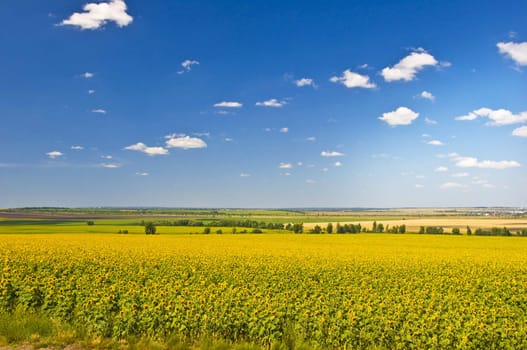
(298,228)
(380,228)
(456,231)
(374,227)
(316,229)
(422,230)
(469,231)
(150,228)
(206,230)
(90,223)
(219,232)
(402,229)
(329,228)
(256,230)
(234,230)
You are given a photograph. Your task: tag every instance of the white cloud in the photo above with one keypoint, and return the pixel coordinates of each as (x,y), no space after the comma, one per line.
(226,104)
(516,51)
(96,15)
(401,116)
(285,166)
(425,135)
(284,130)
(91,92)
(311,139)
(441,169)
(286,174)
(419,186)
(338,164)
(107,157)
(54,154)
(110,165)
(427,96)
(184,142)
(325,170)
(310,181)
(497,117)
(521,131)
(331,154)
(245,175)
(435,143)
(420,177)
(144,173)
(430,121)
(187,64)
(352,80)
(87,75)
(228,139)
(472,162)
(460,175)
(151,151)
(271,103)
(77,148)
(305,82)
(99,110)
(409,66)
(451,185)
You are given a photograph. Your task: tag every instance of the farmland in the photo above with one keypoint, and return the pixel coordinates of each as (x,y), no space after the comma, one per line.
(276,289)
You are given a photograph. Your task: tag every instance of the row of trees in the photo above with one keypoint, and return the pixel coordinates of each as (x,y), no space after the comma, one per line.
(223,223)
(150,228)
(358,228)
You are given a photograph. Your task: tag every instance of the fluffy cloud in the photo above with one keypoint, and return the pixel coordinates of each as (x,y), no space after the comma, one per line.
(419,186)
(331,154)
(245,175)
(151,151)
(497,117)
(427,96)
(187,66)
(441,169)
(110,165)
(430,121)
(401,116)
(516,51)
(352,80)
(144,173)
(472,162)
(54,154)
(311,139)
(310,181)
(305,82)
(96,15)
(91,92)
(460,175)
(285,166)
(409,66)
(184,142)
(77,148)
(226,104)
(435,143)
(87,75)
(521,132)
(451,185)
(271,103)
(99,110)
(338,164)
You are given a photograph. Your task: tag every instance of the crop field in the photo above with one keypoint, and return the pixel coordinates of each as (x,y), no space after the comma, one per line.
(283,291)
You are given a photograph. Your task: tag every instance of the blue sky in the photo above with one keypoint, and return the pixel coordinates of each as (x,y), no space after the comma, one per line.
(263,104)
